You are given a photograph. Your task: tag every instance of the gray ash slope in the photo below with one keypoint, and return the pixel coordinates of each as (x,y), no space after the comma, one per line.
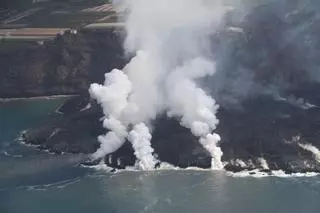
(269,53)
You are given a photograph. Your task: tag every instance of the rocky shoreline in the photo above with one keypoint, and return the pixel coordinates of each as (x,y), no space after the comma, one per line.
(263,128)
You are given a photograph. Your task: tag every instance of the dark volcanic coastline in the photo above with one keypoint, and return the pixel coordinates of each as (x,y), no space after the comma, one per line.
(262,128)
(259,126)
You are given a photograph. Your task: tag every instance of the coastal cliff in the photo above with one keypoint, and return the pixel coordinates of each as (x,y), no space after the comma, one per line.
(63,66)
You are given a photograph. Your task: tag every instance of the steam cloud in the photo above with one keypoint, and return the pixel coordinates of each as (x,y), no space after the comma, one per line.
(263,163)
(170,41)
(314,150)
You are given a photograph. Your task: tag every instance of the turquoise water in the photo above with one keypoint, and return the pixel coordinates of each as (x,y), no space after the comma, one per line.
(16,116)
(50,185)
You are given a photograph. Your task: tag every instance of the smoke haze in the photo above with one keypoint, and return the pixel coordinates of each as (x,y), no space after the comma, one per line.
(170,42)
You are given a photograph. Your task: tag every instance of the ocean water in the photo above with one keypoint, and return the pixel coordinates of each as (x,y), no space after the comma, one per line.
(32,181)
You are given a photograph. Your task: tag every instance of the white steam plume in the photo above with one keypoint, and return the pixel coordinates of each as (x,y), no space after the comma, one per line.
(240,163)
(314,150)
(196,109)
(263,163)
(170,41)
(140,138)
(127,99)
(112,96)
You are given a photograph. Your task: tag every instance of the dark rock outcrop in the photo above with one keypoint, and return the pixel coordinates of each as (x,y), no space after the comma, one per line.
(72,132)
(76,126)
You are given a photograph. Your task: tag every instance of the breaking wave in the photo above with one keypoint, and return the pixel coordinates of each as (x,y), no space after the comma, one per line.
(255,173)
